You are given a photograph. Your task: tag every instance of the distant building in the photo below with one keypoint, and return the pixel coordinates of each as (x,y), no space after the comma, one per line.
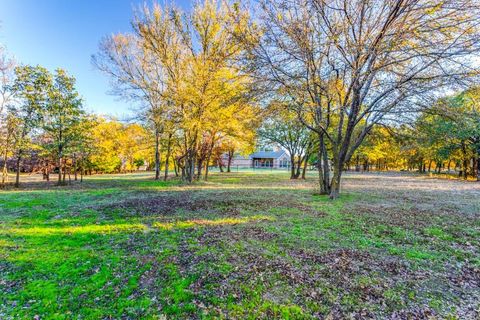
(260,159)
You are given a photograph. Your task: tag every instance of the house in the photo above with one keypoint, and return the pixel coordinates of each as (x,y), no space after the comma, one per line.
(261,159)
(270,159)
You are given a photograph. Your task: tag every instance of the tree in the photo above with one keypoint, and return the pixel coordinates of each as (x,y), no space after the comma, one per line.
(61,119)
(283,128)
(133,146)
(9,133)
(203,81)
(453,123)
(184,68)
(7,66)
(349,65)
(381,149)
(136,76)
(8,123)
(82,145)
(105,135)
(31,88)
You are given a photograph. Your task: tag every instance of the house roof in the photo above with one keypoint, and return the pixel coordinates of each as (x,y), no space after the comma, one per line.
(267,154)
(240,157)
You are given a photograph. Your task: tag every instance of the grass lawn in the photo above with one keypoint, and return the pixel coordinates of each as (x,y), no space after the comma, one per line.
(242,245)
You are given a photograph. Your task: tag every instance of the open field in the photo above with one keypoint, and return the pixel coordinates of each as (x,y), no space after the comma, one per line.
(242,245)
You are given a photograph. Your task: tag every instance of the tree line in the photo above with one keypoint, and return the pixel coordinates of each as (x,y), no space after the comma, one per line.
(44,128)
(443,138)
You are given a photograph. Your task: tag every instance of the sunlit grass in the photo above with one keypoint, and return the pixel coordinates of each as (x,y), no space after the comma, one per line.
(204,222)
(94,229)
(122,228)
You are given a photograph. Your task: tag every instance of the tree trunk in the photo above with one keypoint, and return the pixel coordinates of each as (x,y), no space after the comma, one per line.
(465,161)
(335,186)
(75,166)
(323,166)
(229,160)
(299,167)
(474,167)
(82,172)
(478,164)
(175,167)
(190,165)
(207,162)
(60,163)
(157,154)
(5,169)
(169,146)
(220,165)
(199,168)
(304,170)
(292,167)
(188,172)
(17,177)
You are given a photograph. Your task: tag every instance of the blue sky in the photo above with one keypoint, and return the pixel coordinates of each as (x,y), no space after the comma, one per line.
(65,33)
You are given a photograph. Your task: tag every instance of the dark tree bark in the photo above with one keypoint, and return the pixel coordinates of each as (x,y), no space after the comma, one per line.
(209,155)
(220,165)
(175,167)
(17,166)
(465,160)
(323,166)
(4,169)
(82,170)
(60,164)
(230,155)
(167,159)
(292,167)
(305,164)
(157,153)
(75,167)
(478,164)
(199,169)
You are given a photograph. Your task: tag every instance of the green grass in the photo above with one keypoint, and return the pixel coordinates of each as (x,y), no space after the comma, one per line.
(242,245)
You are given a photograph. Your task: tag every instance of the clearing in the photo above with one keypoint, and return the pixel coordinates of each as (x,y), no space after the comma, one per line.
(242,245)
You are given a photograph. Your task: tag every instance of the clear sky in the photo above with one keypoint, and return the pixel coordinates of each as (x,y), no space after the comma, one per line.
(65,33)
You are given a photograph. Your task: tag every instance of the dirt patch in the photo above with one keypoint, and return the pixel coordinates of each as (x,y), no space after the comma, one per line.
(420,313)
(348,262)
(224,203)
(411,201)
(409,217)
(217,235)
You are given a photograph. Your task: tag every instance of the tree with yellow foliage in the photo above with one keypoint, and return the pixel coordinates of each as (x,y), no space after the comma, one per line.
(184,67)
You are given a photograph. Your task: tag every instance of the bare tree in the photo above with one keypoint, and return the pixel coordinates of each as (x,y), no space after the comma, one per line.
(7,121)
(136,76)
(347,65)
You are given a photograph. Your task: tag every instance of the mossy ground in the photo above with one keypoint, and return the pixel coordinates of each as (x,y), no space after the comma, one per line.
(242,245)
